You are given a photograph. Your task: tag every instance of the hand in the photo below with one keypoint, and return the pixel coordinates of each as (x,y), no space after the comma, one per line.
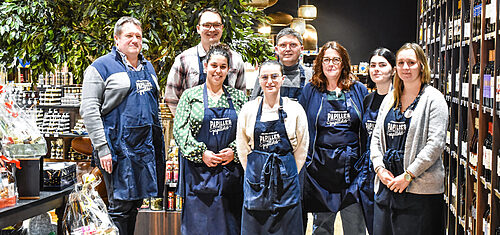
(385,175)
(107,163)
(227,155)
(398,184)
(211,159)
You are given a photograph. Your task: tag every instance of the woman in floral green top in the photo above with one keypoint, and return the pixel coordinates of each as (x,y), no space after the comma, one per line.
(205,130)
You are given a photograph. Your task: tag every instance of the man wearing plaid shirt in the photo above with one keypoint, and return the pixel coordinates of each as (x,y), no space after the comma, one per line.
(187,70)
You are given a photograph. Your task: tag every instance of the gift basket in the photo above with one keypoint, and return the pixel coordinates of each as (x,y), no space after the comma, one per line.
(19,135)
(86,212)
(8,188)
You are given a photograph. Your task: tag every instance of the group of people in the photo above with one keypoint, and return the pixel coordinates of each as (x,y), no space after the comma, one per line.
(308,141)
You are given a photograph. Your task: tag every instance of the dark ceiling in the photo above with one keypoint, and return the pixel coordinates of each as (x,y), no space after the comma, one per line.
(360,25)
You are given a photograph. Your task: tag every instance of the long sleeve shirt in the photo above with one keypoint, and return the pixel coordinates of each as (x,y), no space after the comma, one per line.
(185,73)
(189,119)
(103,91)
(295,125)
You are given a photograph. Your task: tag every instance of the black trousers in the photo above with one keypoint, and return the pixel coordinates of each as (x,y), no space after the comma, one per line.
(123,213)
(407,213)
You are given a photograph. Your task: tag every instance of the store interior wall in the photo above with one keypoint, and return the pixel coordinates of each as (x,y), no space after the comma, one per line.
(360,25)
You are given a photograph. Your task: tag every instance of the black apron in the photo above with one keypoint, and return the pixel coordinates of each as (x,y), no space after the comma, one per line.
(330,169)
(133,131)
(294,92)
(213,195)
(365,178)
(403,213)
(271,186)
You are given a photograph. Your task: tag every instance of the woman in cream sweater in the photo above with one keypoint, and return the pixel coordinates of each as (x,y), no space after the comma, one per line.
(272,141)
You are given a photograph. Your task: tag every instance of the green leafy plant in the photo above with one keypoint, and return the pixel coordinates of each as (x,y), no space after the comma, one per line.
(51,32)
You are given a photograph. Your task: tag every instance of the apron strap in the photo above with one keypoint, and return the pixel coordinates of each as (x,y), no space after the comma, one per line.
(302,77)
(281,113)
(202,77)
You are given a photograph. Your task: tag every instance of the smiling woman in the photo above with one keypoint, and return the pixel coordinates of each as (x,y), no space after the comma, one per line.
(205,130)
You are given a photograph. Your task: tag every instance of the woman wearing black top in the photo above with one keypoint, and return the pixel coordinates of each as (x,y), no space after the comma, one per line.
(382,69)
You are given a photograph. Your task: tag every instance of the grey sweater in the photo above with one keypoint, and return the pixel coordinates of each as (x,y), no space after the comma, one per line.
(424,144)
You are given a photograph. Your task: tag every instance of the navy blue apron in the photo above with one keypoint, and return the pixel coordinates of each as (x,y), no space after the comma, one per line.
(403,213)
(271,184)
(135,138)
(213,195)
(365,178)
(336,150)
(294,92)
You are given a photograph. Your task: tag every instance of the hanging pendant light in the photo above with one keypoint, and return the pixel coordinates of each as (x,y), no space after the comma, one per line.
(310,38)
(308,12)
(264,29)
(262,4)
(299,25)
(280,19)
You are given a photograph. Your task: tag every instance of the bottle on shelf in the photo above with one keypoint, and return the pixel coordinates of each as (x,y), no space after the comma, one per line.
(487,152)
(477,18)
(475,80)
(487,217)
(466,27)
(450,29)
(465,83)
(498,90)
(474,145)
(456,88)
(488,74)
(490,12)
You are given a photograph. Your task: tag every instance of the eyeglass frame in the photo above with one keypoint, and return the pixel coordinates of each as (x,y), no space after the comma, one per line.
(334,60)
(216,26)
(273,77)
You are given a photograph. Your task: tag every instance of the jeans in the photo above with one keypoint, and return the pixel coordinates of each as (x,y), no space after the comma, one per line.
(353,222)
(123,213)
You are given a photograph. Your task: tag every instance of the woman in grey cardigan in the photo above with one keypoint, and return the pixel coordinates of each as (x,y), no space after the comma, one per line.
(406,148)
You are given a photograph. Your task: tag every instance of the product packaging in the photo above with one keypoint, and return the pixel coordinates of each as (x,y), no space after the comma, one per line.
(86,212)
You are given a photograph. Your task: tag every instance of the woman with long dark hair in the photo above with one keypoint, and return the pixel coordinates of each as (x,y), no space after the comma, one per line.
(381,70)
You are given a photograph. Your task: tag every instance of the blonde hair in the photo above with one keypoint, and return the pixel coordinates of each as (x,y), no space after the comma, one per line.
(425,73)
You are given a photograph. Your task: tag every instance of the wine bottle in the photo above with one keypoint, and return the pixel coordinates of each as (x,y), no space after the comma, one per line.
(475,80)
(465,83)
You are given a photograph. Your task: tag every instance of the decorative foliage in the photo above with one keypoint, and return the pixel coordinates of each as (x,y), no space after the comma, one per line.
(50,32)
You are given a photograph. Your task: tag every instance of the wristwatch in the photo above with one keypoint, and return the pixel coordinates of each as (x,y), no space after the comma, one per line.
(408,176)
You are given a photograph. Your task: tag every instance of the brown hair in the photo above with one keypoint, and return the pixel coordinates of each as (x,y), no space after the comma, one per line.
(425,73)
(319,79)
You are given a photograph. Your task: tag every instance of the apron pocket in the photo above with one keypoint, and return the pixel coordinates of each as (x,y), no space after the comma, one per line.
(256,196)
(329,169)
(288,193)
(233,178)
(203,180)
(138,141)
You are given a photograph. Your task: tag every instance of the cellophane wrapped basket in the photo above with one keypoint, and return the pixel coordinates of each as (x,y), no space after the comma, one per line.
(86,212)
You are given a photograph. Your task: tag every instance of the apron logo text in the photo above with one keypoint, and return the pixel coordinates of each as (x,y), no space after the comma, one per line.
(370,125)
(269,139)
(396,128)
(338,117)
(220,124)
(143,86)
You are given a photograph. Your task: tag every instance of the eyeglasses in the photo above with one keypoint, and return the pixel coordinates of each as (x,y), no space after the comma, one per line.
(291,45)
(273,77)
(335,60)
(207,26)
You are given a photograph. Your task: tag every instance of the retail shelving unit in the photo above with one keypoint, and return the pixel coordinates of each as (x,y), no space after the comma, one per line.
(460,38)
